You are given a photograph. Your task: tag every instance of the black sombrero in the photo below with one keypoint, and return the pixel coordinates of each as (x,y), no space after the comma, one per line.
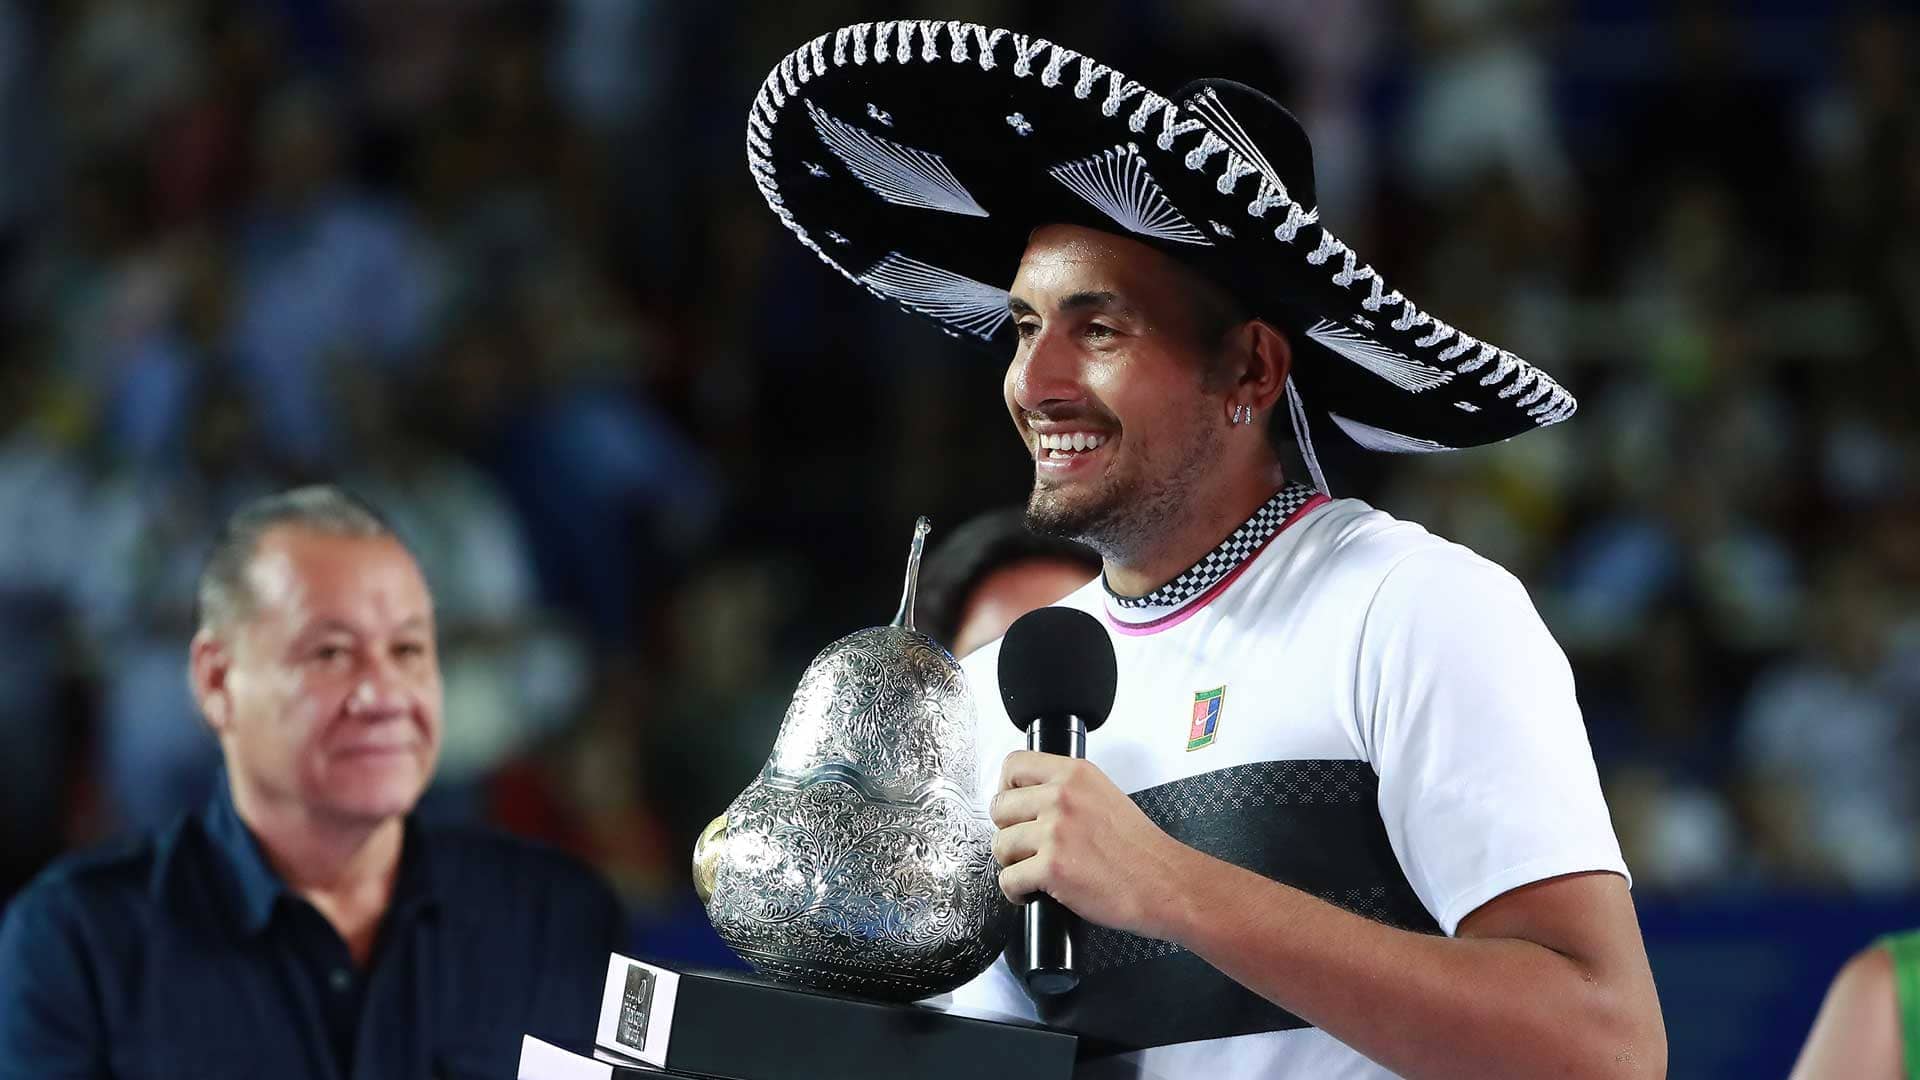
(915,157)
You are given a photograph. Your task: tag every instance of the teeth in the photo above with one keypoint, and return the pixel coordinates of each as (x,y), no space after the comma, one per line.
(1077,441)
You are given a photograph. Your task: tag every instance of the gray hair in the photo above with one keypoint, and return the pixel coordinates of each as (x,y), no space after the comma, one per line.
(226,596)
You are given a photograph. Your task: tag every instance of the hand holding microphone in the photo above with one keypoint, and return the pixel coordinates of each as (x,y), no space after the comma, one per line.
(1057,679)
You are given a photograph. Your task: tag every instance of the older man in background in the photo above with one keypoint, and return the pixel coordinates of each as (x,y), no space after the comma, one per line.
(302,924)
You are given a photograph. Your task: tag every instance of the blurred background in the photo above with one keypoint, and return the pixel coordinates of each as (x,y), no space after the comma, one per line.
(498,266)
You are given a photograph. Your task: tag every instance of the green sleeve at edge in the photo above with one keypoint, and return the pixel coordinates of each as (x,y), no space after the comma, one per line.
(1905,949)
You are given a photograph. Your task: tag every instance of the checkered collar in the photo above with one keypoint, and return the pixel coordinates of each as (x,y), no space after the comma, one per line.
(1245,542)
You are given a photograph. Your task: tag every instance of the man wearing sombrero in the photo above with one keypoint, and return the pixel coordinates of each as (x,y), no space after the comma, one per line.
(1364,834)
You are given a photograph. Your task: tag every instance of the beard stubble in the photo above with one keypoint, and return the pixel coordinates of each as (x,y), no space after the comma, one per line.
(1122,516)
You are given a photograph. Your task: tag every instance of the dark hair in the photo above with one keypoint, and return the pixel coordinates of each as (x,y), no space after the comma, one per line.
(1218,311)
(225,596)
(982,545)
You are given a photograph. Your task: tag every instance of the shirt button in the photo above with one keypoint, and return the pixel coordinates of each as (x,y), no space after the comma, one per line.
(341,980)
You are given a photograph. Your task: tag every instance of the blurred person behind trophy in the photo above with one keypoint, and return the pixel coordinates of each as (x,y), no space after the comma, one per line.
(991,571)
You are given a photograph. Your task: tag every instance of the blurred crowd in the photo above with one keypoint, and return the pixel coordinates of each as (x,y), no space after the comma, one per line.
(497,266)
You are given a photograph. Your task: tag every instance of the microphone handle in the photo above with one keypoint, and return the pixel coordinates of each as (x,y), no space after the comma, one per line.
(1050,966)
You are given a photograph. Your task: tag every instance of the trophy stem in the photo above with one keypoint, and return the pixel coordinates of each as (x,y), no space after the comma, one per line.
(904,617)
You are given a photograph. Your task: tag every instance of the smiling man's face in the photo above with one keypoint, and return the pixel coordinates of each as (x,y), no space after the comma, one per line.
(327,696)
(1109,387)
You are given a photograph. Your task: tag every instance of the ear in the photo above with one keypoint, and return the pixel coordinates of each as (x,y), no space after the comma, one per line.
(1266,357)
(209,663)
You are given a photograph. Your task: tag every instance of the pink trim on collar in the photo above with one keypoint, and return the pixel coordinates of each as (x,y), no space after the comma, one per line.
(1186,611)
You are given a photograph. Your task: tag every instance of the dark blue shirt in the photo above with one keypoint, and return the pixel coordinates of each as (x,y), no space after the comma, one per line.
(186,956)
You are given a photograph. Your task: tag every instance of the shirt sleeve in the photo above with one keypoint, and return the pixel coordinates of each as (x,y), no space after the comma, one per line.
(1467,706)
(50,1025)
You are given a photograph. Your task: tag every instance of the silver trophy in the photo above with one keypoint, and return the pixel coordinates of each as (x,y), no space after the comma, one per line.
(860,859)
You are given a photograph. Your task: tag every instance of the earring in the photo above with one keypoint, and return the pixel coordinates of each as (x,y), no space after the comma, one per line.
(1242,414)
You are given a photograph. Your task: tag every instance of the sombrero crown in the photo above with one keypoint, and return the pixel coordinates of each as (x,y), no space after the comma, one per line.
(915,157)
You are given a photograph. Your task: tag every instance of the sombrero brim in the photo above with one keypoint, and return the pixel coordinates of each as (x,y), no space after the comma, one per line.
(916,157)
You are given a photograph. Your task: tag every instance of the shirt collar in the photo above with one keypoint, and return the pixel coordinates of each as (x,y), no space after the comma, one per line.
(1228,556)
(257,887)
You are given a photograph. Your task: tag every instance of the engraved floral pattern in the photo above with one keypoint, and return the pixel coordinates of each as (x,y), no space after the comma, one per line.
(887,701)
(858,861)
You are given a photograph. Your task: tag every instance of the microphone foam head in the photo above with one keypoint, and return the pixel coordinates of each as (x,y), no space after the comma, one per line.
(1057,661)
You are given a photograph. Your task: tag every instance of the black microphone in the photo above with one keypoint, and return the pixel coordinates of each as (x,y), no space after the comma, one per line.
(1057,678)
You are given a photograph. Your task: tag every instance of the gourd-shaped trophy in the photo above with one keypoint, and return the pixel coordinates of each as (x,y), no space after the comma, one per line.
(860,859)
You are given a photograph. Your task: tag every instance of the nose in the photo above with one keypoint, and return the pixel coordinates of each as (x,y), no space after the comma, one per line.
(1045,373)
(380,692)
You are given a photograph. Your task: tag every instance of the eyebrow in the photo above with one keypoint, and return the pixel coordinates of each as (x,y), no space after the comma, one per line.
(340,626)
(1102,299)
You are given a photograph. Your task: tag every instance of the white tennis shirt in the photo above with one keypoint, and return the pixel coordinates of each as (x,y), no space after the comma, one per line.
(1347,636)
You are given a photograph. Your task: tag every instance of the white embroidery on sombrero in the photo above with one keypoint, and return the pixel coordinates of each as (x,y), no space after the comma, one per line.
(1171,126)
(973,306)
(1506,362)
(1466,406)
(1119,89)
(1528,375)
(1150,103)
(1487,353)
(1025,50)
(1558,406)
(1210,144)
(1390,442)
(1298,217)
(1544,386)
(1208,105)
(894,35)
(1050,75)
(1549,406)
(989,40)
(1245,156)
(899,174)
(1118,183)
(1407,374)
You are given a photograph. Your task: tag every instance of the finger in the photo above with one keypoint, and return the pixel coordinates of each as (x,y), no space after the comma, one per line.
(1028,768)
(1014,805)
(1022,841)
(1026,879)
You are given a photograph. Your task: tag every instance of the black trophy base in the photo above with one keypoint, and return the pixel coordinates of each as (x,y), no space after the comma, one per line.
(740,1026)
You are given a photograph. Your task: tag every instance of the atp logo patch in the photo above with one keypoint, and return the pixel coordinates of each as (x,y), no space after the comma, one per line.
(1206,717)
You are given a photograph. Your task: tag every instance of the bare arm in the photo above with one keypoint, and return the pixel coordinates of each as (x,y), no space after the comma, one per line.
(1547,980)
(1857,1034)
(1550,979)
